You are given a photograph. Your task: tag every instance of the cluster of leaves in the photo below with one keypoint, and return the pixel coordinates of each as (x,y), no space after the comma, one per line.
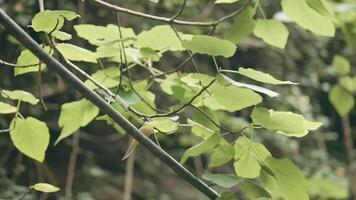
(341,93)
(257,172)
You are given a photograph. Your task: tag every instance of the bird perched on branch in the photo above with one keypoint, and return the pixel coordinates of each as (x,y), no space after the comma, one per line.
(147,129)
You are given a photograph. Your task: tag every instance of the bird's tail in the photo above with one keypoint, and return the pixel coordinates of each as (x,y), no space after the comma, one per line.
(130,150)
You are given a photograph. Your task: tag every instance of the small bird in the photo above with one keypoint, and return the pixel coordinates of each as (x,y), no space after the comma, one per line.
(147,129)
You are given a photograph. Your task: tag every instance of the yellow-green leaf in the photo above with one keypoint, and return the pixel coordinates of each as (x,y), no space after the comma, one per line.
(20,95)
(342,100)
(50,20)
(45,187)
(75,115)
(30,136)
(6,108)
(213,46)
(287,123)
(308,18)
(75,53)
(248,156)
(261,76)
(272,32)
(284,179)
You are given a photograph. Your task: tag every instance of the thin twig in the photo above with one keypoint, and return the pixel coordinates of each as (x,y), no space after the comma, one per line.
(175,111)
(17,32)
(72,165)
(180,11)
(188,51)
(129,177)
(169,20)
(15,65)
(128,70)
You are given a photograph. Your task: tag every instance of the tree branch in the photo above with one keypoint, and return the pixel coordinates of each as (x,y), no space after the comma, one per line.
(171,20)
(17,32)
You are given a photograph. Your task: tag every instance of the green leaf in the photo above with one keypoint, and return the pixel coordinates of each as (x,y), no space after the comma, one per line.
(48,20)
(30,136)
(75,53)
(323,7)
(226,81)
(161,38)
(347,83)
(341,65)
(7,108)
(26,58)
(308,18)
(285,179)
(261,76)
(287,123)
(253,191)
(60,35)
(75,115)
(226,1)
(102,35)
(232,98)
(20,95)
(342,100)
(213,46)
(272,32)
(45,187)
(221,155)
(242,26)
(108,77)
(200,130)
(165,124)
(201,147)
(248,156)
(223,180)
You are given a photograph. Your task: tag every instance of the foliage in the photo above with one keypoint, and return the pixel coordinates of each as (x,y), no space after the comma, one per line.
(129,70)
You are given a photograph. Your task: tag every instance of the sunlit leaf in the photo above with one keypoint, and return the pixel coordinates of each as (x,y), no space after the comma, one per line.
(287,123)
(30,136)
(75,53)
(213,46)
(107,77)
(161,38)
(226,80)
(248,156)
(7,108)
(284,179)
(341,65)
(45,187)
(49,20)
(308,18)
(75,115)
(102,35)
(20,95)
(165,124)
(342,100)
(261,76)
(272,32)
(28,59)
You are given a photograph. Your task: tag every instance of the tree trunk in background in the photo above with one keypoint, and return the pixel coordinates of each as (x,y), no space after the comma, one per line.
(350,151)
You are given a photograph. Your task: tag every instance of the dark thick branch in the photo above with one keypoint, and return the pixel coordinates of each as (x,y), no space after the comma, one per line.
(17,32)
